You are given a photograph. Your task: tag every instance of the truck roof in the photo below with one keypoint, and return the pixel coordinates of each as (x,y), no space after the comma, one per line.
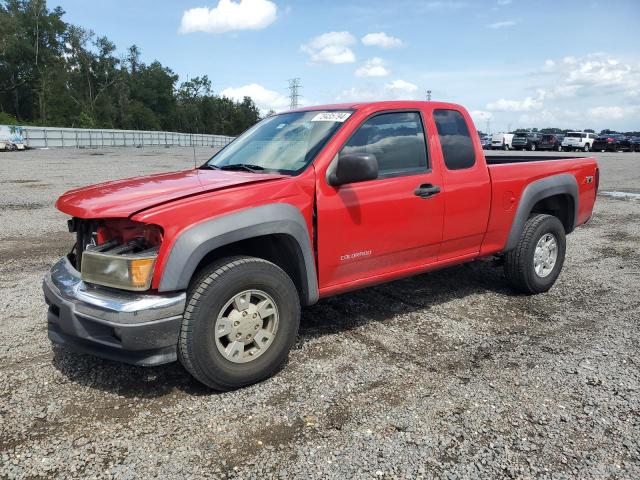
(389,104)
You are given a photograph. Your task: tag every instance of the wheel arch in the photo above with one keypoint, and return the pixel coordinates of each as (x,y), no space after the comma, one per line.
(556,195)
(275,232)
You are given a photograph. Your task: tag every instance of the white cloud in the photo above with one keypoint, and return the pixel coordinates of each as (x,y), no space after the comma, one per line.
(381,39)
(331,47)
(401,87)
(525,105)
(480,116)
(503,24)
(265,99)
(504,2)
(229,15)
(394,90)
(612,113)
(596,72)
(373,67)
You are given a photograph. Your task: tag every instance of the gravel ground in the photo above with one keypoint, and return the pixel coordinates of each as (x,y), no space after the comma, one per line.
(445,375)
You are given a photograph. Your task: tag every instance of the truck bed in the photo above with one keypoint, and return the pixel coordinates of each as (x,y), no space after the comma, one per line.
(510,175)
(500,159)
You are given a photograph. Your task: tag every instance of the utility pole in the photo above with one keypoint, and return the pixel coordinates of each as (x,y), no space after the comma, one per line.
(488,126)
(428,95)
(294,87)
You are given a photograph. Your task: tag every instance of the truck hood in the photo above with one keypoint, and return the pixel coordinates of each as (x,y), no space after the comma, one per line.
(123,198)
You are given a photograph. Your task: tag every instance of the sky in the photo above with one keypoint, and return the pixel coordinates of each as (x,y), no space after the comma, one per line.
(511,63)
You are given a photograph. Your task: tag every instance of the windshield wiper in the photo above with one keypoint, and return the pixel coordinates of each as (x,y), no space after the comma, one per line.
(247,167)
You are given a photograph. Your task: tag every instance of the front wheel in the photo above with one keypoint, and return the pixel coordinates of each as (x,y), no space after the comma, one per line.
(240,322)
(559,148)
(533,147)
(535,263)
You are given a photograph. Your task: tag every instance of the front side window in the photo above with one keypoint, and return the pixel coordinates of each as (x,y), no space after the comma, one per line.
(456,143)
(396,139)
(284,143)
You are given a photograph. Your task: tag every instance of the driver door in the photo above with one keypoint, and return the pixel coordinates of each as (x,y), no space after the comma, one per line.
(378,228)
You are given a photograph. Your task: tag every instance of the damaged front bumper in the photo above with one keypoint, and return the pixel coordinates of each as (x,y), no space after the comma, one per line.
(131,327)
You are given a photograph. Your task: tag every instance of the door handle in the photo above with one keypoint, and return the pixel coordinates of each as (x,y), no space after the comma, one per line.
(426,190)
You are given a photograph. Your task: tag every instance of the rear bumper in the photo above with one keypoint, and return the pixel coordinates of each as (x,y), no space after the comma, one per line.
(131,327)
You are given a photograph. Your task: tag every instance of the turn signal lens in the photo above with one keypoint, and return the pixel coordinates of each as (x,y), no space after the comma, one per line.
(140,271)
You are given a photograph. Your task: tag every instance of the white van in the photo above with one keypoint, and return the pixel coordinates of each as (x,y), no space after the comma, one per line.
(578,141)
(11,138)
(501,141)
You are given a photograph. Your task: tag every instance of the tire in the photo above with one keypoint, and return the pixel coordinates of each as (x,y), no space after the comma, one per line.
(519,263)
(559,148)
(586,148)
(533,147)
(209,297)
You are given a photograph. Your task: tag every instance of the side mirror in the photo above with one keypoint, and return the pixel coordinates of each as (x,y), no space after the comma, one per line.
(352,168)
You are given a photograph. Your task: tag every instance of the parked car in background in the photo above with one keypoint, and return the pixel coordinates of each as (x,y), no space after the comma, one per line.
(634,144)
(501,141)
(11,138)
(551,141)
(526,141)
(578,141)
(485,142)
(613,142)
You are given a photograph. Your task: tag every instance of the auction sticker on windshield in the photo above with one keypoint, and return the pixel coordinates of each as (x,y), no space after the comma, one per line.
(331,117)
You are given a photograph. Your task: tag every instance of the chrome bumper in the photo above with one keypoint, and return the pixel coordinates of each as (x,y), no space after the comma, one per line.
(133,327)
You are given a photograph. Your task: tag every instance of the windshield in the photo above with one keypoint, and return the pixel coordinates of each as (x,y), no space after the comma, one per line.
(521,135)
(575,135)
(284,143)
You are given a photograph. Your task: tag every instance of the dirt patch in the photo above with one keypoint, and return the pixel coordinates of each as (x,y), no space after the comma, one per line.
(19,181)
(23,249)
(24,206)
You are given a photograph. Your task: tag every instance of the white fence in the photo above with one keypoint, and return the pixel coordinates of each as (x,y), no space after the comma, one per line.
(52,137)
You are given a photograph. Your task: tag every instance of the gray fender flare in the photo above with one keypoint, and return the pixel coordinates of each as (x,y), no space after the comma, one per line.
(276,218)
(562,184)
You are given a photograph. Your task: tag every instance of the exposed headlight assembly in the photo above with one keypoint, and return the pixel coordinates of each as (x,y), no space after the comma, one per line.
(128,272)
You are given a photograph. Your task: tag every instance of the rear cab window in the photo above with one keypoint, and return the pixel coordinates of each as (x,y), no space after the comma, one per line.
(455,140)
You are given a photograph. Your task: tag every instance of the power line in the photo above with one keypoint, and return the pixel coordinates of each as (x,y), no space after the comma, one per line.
(295,85)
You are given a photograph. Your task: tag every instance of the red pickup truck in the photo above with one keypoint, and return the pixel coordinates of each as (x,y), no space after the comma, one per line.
(211,265)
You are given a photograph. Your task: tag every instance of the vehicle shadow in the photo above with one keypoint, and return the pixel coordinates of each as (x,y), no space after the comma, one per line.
(332,315)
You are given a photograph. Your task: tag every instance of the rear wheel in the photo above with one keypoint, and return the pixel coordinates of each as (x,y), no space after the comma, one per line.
(533,147)
(535,263)
(240,322)
(586,148)
(559,148)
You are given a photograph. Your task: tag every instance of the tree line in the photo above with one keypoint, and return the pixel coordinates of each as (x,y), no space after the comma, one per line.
(53,73)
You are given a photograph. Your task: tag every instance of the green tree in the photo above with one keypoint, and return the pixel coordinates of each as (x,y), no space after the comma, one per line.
(55,73)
